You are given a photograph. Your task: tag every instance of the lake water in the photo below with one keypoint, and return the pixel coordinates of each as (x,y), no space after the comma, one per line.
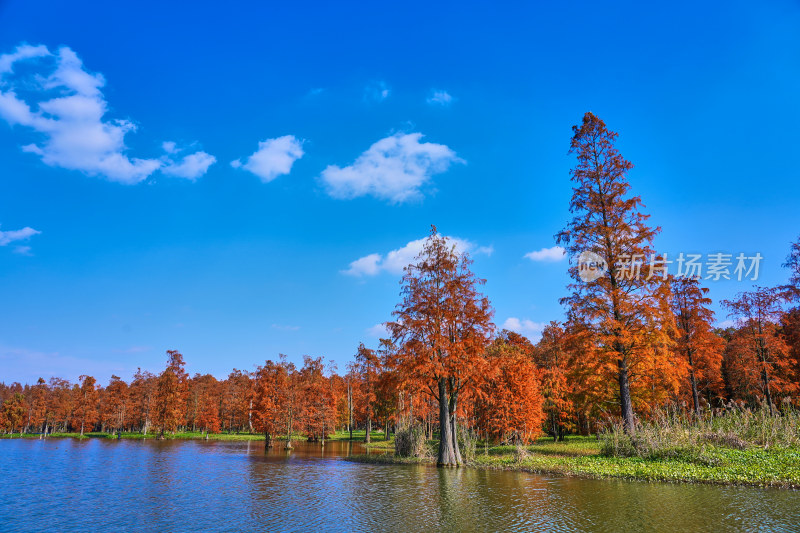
(71,485)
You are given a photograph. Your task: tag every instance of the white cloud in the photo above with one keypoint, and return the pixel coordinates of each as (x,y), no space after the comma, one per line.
(726,324)
(376,91)
(23,52)
(526,327)
(273,158)
(369,265)
(378,331)
(440,97)
(7,237)
(191,166)
(65,107)
(394,169)
(169,147)
(556,253)
(396,260)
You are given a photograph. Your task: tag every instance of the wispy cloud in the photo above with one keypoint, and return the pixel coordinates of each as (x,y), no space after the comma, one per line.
(376,91)
(556,253)
(65,106)
(394,169)
(273,158)
(396,260)
(440,98)
(529,328)
(7,237)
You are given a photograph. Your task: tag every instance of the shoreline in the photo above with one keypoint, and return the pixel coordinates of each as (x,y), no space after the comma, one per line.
(778,469)
(358,437)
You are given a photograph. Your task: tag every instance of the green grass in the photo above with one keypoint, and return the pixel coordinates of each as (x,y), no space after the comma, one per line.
(377,437)
(580,457)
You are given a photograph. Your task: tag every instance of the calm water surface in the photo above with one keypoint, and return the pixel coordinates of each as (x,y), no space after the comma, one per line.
(70,485)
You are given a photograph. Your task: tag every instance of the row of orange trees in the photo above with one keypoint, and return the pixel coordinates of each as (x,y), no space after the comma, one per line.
(629,344)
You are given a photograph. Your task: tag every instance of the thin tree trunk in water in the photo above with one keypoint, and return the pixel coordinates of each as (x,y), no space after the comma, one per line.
(447,456)
(625,396)
(267,440)
(369,429)
(289,432)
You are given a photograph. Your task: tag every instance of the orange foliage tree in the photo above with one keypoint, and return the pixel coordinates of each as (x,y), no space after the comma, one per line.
(12,413)
(441,330)
(508,401)
(368,368)
(143,392)
(37,405)
(318,406)
(236,401)
(171,394)
(87,398)
(60,404)
(699,348)
(625,308)
(551,358)
(204,399)
(270,399)
(757,347)
(115,404)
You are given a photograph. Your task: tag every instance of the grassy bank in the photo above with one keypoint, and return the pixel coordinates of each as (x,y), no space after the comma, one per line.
(581,457)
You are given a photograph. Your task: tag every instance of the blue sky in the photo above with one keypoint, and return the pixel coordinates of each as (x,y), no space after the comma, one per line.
(219,180)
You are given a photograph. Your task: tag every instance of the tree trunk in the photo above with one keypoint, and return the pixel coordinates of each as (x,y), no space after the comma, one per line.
(350,409)
(768,394)
(369,429)
(289,432)
(267,440)
(453,407)
(447,455)
(693,382)
(625,396)
(764,372)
